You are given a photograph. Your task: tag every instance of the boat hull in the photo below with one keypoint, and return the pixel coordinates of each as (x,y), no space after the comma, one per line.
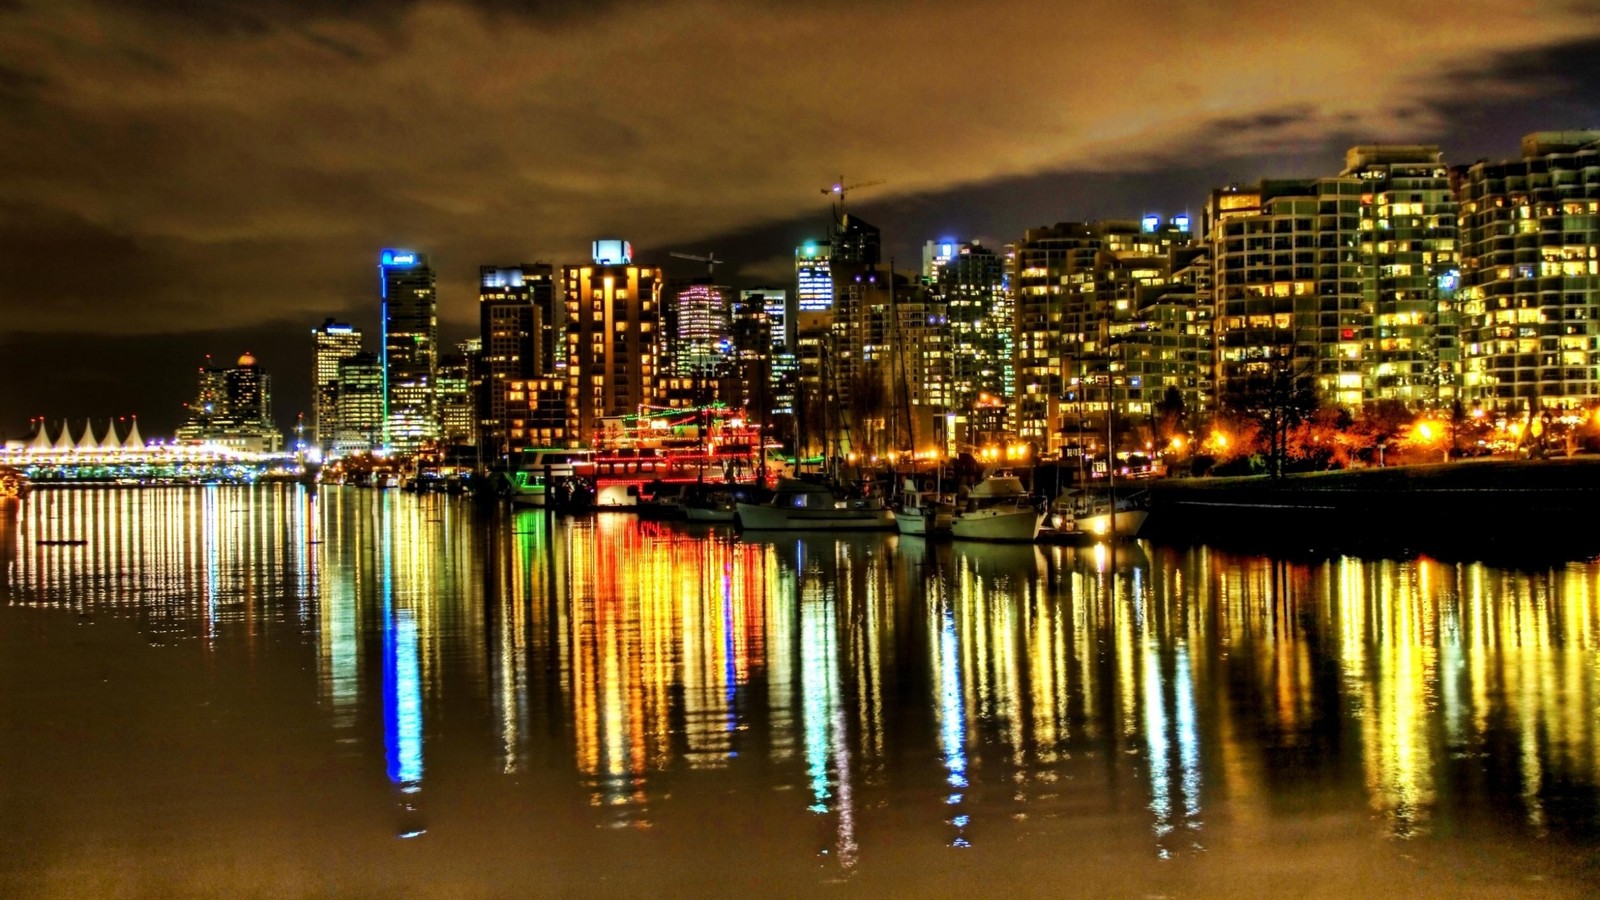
(760,517)
(1129,521)
(533,497)
(711,515)
(1020,525)
(616,496)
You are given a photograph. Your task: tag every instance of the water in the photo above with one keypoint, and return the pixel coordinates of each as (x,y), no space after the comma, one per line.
(274,692)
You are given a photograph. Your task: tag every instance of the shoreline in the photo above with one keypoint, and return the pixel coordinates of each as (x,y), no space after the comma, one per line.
(1506,506)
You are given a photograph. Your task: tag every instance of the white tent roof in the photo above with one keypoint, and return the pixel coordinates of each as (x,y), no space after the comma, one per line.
(87,441)
(41,439)
(133,441)
(109,443)
(63,442)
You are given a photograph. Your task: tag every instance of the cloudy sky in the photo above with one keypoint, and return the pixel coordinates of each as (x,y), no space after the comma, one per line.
(182,177)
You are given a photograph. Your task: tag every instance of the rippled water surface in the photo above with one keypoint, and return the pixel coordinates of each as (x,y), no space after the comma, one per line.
(273,691)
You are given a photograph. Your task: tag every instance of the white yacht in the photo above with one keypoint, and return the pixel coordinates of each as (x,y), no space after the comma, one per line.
(804,506)
(997,510)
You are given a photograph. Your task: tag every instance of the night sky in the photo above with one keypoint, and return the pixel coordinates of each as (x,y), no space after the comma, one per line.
(180,177)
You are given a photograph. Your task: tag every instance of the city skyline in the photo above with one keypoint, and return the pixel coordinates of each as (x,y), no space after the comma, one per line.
(253,256)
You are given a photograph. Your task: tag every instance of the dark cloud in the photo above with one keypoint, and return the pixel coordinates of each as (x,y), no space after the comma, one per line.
(209,168)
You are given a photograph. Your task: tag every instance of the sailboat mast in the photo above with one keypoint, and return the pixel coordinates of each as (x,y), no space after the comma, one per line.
(1111,461)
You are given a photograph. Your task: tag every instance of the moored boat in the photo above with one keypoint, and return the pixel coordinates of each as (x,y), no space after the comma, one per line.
(547,479)
(713,507)
(1083,514)
(807,506)
(998,509)
(923,514)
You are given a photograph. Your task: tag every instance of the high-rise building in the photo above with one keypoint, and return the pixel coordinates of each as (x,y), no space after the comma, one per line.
(935,254)
(457,423)
(1530,276)
(1168,344)
(813,277)
(1290,288)
(359,405)
(777,306)
(536,413)
(970,279)
(748,380)
(410,349)
(613,330)
(1410,259)
(513,307)
(856,241)
(1071,284)
(332,342)
(888,360)
(233,409)
(1342,286)
(702,329)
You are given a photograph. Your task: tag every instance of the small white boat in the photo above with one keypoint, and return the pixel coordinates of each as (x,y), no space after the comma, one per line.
(997,510)
(922,513)
(804,506)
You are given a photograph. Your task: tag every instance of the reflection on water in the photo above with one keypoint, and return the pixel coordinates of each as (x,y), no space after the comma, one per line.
(878,691)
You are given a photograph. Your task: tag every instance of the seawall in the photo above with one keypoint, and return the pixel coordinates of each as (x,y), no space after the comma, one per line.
(1465,507)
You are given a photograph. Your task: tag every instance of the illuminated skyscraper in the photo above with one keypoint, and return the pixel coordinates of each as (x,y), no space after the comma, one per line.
(613,333)
(513,308)
(777,305)
(333,341)
(1530,276)
(454,389)
(703,319)
(1344,284)
(970,279)
(1411,263)
(813,277)
(410,349)
(359,405)
(1071,284)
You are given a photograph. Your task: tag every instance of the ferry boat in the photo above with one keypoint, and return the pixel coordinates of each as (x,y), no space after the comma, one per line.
(998,509)
(636,455)
(808,506)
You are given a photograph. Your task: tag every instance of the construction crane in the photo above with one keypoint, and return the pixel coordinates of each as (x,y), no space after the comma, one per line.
(841,189)
(710,259)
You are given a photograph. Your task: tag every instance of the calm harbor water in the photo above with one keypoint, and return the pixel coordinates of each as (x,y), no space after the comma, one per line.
(276,691)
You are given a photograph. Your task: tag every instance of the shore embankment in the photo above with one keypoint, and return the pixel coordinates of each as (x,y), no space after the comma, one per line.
(1545,506)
